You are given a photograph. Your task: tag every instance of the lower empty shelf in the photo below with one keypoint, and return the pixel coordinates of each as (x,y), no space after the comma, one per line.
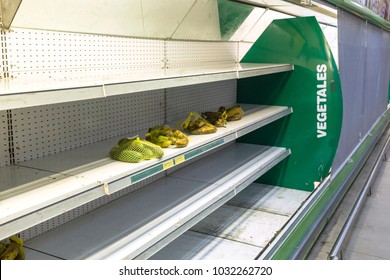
(240,229)
(146,220)
(194,245)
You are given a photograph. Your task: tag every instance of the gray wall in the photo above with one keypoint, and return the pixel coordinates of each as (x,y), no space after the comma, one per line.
(364,62)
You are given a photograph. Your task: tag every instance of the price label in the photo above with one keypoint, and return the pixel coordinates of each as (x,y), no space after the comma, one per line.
(168,164)
(180,159)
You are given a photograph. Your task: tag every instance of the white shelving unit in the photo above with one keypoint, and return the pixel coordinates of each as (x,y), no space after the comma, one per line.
(73,84)
(137,209)
(42,188)
(19,92)
(132,224)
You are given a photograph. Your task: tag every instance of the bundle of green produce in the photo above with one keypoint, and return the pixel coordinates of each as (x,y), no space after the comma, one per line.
(135,150)
(216,118)
(197,125)
(164,136)
(12,249)
(234,113)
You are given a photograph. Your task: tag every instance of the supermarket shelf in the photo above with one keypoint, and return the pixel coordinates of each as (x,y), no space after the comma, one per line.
(240,229)
(37,190)
(19,93)
(134,223)
(193,245)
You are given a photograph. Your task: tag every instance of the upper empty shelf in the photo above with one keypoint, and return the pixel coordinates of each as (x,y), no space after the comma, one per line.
(25,92)
(39,189)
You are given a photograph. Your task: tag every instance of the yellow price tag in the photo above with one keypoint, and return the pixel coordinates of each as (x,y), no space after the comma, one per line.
(180,159)
(168,164)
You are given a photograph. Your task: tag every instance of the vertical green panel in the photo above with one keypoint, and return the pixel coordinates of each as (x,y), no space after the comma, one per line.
(313,90)
(231,16)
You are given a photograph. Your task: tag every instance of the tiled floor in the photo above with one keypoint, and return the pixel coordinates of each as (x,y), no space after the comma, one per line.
(370,236)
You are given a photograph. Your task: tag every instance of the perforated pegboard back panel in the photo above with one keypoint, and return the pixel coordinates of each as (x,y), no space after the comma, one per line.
(3,62)
(4,154)
(44,130)
(187,53)
(49,56)
(199,98)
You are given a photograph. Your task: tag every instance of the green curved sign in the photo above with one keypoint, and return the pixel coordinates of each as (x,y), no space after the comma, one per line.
(313,91)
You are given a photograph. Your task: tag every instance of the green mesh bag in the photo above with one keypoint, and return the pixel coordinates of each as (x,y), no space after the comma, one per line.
(125,155)
(135,150)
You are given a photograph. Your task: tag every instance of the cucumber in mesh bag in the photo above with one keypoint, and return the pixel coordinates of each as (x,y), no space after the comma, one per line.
(135,150)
